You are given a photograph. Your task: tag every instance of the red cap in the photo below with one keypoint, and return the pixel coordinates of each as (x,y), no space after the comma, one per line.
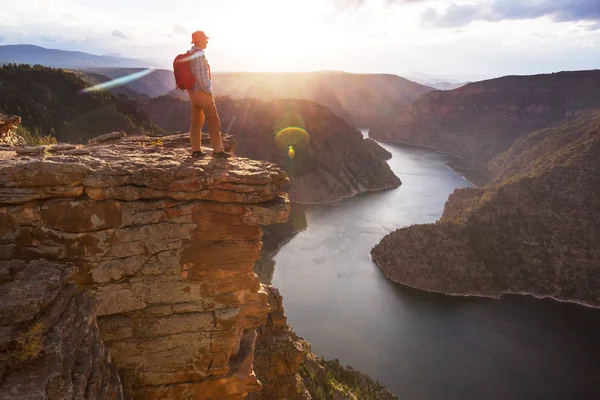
(198,35)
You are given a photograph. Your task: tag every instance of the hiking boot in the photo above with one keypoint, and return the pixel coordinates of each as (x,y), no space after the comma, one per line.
(198,154)
(222,154)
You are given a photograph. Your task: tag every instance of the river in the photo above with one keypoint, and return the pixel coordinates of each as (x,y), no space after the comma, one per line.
(422,345)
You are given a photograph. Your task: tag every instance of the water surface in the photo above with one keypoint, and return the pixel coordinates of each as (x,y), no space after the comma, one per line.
(420,345)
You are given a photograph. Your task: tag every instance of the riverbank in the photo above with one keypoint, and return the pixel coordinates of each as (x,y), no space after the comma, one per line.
(488,296)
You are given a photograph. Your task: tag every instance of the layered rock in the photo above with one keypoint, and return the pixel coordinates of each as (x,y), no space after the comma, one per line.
(8,124)
(482,119)
(534,229)
(167,243)
(334,161)
(50,346)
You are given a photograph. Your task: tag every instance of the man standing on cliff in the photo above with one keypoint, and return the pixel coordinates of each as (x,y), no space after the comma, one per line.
(203,102)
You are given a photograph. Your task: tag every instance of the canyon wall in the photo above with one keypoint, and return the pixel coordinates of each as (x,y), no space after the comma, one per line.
(482,119)
(165,243)
(535,229)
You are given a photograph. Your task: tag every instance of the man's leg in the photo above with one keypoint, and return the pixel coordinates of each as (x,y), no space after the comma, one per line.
(214,126)
(197,121)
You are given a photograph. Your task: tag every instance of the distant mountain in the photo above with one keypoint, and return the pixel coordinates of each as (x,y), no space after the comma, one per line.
(360,99)
(30,54)
(436,82)
(534,229)
(444,85)
(482,119)
(154,84)
(335,161)
(52,102)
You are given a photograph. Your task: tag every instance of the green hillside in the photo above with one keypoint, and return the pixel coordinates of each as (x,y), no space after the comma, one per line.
(52,102)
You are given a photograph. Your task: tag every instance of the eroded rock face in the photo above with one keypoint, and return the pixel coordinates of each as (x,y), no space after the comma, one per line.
(50,346)
(535,229)
(8,124)
(167,243)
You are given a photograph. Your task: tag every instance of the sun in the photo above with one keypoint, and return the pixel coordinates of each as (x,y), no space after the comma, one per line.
(276,35)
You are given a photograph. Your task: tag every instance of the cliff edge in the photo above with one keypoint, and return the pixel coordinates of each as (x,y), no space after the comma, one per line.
(535,229)
(129,245)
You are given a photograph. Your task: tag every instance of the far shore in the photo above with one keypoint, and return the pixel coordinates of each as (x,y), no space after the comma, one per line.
(489,296)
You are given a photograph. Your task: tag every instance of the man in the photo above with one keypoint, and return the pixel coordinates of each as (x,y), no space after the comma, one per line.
(203,102)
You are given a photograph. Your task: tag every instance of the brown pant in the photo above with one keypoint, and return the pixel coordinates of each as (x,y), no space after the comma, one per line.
(203,104)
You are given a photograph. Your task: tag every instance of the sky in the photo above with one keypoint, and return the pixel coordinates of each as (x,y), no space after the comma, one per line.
(455,39)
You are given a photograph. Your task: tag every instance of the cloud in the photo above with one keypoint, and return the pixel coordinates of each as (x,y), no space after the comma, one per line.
(69,17)
(346,5)
(119,33)
(179,29)
(497,10)
(594,27)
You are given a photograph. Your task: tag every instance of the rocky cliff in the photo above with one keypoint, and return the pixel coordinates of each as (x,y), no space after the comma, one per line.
(482,119)
(50,346)
(332,160)
(164,242)
(8,136)
(534,229)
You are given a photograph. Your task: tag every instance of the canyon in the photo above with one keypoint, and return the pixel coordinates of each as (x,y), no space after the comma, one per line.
(534,229)
(127,272)
(482,119)
(332,159)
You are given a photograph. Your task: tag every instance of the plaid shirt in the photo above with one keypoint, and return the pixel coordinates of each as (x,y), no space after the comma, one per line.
(201,70)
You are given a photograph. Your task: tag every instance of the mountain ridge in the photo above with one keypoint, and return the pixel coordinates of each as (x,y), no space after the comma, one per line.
(482,119)
(32,54)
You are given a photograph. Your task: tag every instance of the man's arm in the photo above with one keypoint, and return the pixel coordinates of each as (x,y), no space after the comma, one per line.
(200,71)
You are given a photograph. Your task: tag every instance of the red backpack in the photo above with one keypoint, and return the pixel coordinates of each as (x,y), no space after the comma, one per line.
(184,79)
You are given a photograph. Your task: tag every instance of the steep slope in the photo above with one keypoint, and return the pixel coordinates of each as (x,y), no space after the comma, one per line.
(50,346)
(36,55)
(288,369)
(482,119)
(534,229)
(52,102)
(361,99)
(336,161)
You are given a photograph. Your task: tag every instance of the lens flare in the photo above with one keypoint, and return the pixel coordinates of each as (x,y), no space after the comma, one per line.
(118,82)
(291,139)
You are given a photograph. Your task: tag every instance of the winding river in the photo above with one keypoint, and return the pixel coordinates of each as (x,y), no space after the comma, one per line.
(421,345)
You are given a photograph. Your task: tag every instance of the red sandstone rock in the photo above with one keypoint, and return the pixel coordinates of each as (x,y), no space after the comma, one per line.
(167,244)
